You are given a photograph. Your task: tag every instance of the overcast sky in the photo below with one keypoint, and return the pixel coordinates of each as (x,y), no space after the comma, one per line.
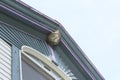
(94,25)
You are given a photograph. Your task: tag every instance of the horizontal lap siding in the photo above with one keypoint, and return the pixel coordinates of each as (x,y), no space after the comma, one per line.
(5,60)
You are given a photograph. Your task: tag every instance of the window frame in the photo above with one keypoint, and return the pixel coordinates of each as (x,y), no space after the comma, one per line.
(34,64)
(26,50)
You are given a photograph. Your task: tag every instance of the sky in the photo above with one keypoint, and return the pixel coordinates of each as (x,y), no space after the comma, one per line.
(94,25)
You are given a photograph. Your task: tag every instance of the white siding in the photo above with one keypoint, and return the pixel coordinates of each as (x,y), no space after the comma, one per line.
(5,60)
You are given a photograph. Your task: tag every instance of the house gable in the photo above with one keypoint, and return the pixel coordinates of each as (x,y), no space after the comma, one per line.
(38,26)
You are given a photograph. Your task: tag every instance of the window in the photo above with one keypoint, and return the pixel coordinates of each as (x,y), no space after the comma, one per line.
(29,72)
(36,66)
(5,60)
(32,70)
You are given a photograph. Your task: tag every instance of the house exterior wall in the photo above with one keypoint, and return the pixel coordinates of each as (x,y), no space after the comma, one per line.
(10,65)
(18,38)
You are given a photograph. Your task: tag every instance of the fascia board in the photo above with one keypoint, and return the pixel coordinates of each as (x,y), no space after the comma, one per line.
(29,11)
(69,43)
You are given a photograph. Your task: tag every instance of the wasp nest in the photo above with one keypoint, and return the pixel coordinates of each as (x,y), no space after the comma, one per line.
(54,38)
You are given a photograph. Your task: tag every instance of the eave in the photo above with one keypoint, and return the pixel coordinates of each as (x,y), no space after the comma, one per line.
(30,16)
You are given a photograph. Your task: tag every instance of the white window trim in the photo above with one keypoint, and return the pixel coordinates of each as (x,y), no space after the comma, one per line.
(25,50)
(39,66)
(20,60)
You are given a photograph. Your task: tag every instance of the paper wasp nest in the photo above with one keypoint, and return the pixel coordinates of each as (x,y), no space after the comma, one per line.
(54,38)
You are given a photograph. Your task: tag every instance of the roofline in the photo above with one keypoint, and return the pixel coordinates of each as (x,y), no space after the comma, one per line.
(35,10)
(84,55)
(63,41)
